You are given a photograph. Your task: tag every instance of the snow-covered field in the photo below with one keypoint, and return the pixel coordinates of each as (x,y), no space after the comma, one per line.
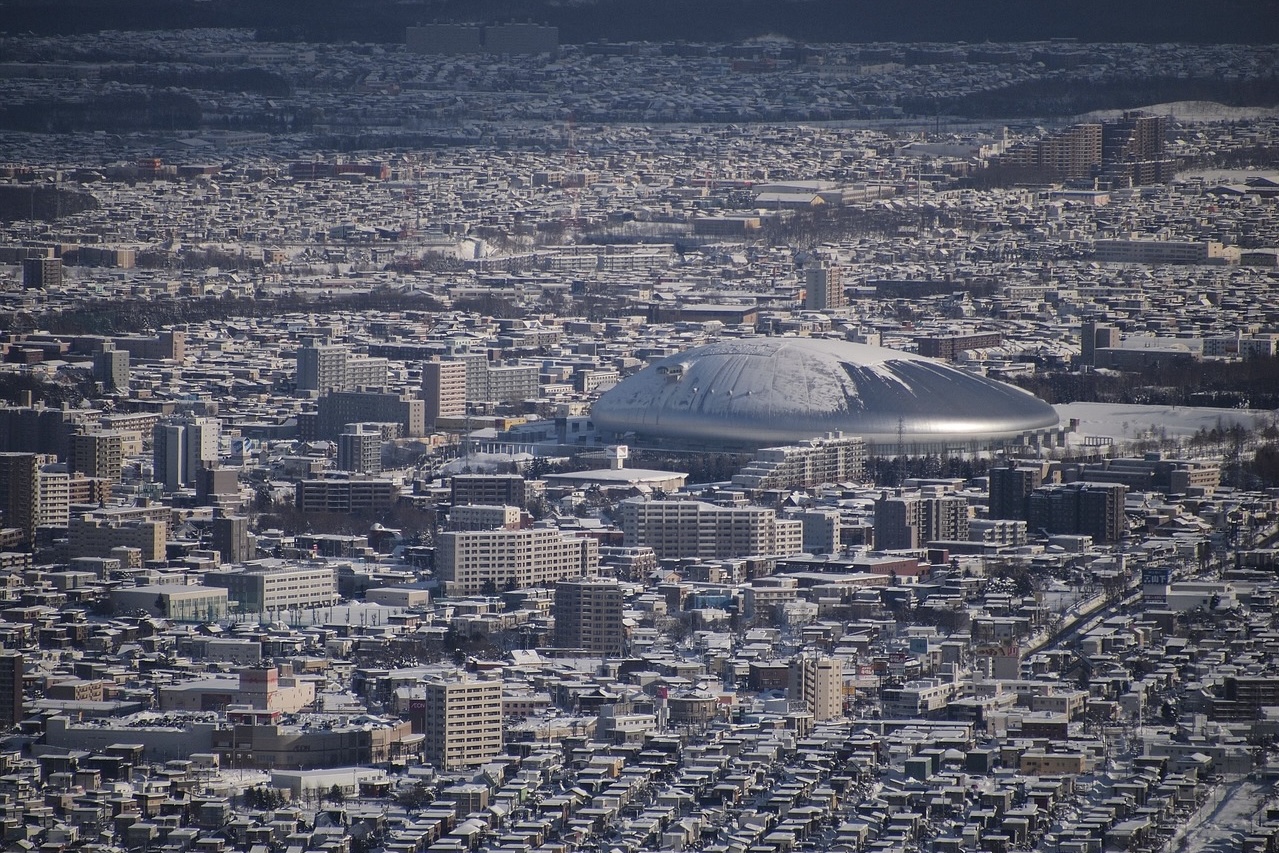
(1192,111)
(1122,421)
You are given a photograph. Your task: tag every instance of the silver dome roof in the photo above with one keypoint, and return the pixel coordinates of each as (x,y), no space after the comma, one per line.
(760,391)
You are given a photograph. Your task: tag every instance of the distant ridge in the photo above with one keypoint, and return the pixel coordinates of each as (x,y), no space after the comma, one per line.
(1151,21)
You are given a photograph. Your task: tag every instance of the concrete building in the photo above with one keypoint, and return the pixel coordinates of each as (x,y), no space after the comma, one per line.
(93,536)
(1010,488)
(470,562)
(1091,509)
(443,390)
(530,39)
(53,505)
(98,454)
(321,368)
(41,273)
(354,493)
(480,517)
(588,615)
(444,39)
(327,368)
(263,688)
(339,408)
(823,287)
(259,740)
(462,722)
(183,447)
(231,538)
(20,492)
(818,682)
(834,459)
(263,589)
(510,383)
(1147,251)
(488,490)
(677,529)
(181,603)
(360,449)
(111,368)
(12,695)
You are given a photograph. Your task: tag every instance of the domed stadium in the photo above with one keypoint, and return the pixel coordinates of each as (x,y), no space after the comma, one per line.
(755,392)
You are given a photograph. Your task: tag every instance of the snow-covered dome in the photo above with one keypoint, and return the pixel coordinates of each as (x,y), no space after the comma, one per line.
(779,390)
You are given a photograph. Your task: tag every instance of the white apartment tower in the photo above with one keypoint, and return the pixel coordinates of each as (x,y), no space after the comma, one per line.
(463,722)
(444,390)
(677,529)
(471,562)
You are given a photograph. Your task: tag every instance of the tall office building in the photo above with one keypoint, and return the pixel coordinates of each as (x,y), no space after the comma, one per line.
(20,492)
(823,287)
(360,449)
(588,615)
(444,390)
(12,701)
(818,682)
(463,722)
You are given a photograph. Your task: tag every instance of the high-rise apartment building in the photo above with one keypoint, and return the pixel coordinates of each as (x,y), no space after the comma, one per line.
(588,615)
(339,408)
(443,390)
(12,699)
(463,722)
(360,449)
(41,273)
(912,521)
(1010,488)
(818,682)
(677,529)
(836,458)
(20,492)
(231,538)
(321,368)
(1089,509)
(488,490)
(111,368)
(823,287)
(474,561)
(331,367)
(98,454)
(53,506)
